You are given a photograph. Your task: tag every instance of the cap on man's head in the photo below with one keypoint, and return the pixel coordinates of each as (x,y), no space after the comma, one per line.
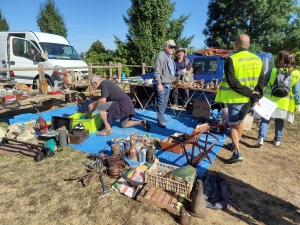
(181,49)
(170,43)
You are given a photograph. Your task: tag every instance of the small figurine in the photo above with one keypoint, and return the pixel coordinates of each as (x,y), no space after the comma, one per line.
(211,85)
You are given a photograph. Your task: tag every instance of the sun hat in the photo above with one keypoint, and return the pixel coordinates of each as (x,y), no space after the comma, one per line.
(181,49)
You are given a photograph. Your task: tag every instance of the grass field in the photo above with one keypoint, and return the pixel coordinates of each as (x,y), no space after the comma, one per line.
(263,189)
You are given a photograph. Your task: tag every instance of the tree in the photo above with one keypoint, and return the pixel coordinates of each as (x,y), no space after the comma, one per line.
(3,23)
(175,30)
(97,54)
(149,27)
(269,30)
(50,20)
(97,47)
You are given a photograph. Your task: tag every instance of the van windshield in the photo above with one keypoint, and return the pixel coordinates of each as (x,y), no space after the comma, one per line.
(59,51)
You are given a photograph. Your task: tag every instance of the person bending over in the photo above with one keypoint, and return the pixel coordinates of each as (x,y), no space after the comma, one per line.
(114,104)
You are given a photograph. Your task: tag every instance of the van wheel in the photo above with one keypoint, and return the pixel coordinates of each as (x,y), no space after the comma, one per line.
(36,83)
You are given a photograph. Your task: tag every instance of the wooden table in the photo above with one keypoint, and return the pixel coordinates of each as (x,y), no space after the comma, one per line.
(39,99)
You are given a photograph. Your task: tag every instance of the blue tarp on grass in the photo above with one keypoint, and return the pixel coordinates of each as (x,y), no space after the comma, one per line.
(184,124)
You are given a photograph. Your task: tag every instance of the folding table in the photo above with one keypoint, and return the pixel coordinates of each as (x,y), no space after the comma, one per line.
(133,90)
(193,91)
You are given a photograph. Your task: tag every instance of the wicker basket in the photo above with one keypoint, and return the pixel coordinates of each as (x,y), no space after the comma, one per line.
(167,183)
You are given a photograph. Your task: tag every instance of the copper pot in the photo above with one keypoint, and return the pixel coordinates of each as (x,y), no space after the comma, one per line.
(114,171)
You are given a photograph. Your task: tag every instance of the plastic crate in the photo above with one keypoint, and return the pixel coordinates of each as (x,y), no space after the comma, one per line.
(92,124)
(167,183)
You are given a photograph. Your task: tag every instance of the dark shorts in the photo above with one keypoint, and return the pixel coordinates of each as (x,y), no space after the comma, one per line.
(237,112)
(105,107)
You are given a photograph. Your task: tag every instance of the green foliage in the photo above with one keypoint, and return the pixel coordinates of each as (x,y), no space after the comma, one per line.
(97,47)
(175,30)
(271,25)
(97,54)
(297,59)
(50,20)
(149,27)
(3,23)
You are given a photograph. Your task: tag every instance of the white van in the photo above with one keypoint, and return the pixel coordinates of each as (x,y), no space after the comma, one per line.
(24,50)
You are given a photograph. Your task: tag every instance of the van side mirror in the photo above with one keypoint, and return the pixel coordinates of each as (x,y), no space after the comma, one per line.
(38,57)
(44,56)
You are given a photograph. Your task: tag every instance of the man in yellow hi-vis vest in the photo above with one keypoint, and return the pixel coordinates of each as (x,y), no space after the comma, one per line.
(241,87)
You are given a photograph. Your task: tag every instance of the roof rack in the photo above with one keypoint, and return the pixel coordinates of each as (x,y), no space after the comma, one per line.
(223,53)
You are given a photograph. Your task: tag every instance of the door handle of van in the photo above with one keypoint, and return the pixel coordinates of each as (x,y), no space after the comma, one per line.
(11,62)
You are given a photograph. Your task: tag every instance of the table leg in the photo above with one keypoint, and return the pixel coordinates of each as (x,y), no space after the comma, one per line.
(133,90)
(187,103)
(150,97)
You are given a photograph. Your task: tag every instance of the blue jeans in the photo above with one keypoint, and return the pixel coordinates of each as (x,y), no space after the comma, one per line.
(264,126)
(161,101)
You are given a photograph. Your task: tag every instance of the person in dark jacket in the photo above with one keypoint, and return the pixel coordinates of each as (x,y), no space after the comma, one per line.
(183,65)
(114,104)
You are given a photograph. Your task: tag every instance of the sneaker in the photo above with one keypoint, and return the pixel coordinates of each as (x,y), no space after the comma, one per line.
(235,158)
(260,142)
(166,121)
(276,143)
(230,146)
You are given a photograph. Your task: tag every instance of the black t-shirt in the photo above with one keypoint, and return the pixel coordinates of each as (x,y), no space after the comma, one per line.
(109,90)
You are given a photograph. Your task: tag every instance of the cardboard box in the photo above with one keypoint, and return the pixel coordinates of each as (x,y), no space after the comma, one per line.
(248,121)
(201,109)
(25,87)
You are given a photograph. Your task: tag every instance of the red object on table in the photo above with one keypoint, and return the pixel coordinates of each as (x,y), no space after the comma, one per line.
(55,92)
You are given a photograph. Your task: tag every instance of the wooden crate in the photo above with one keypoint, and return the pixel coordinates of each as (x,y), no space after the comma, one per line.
(152,179)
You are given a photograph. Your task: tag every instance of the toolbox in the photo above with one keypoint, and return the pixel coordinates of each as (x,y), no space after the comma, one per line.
(77,136)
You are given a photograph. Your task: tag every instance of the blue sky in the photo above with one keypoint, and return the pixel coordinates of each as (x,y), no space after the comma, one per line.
(91,20)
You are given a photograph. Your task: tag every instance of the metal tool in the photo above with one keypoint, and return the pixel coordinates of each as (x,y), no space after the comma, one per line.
(39,151)
(99,164)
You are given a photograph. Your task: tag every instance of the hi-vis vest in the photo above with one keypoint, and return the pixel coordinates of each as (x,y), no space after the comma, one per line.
(285,103)
(247,68)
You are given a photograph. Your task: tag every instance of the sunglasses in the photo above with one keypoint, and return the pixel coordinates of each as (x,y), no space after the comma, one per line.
(171,47)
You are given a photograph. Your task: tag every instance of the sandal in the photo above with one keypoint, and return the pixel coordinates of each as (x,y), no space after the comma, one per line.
(104,132)
(146,125)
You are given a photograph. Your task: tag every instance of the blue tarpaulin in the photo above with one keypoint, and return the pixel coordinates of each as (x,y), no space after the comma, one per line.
(184,124)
